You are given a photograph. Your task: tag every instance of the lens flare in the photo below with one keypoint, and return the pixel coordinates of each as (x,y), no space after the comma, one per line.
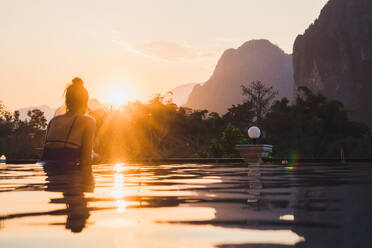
(293,160)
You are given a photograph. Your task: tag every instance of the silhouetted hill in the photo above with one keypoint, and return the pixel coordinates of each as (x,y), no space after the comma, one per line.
(334,55)
(181,93)
(254,60)
(48,112)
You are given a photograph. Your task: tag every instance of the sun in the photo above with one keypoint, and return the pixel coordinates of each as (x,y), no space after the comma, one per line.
(118,95)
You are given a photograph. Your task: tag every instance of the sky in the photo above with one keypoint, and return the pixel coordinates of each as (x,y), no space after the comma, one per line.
(131,49)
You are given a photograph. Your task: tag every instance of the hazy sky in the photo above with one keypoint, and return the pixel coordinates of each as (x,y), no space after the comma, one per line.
(137,47)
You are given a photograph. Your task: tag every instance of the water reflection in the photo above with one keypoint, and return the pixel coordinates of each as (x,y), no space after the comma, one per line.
(187,205)
(342,200)
(72,183)
(118,187)
(319,203)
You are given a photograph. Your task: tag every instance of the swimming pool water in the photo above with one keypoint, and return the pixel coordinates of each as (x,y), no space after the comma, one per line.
(186,205)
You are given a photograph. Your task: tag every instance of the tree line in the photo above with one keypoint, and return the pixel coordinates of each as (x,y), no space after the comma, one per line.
(312,126)
(21,139)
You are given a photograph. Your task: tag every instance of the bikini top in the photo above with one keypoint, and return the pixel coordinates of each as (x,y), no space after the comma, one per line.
(62,155)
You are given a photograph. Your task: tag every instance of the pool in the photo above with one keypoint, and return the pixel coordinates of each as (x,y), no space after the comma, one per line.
(187,205)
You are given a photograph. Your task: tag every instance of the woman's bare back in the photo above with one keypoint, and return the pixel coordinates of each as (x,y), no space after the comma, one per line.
(72,132)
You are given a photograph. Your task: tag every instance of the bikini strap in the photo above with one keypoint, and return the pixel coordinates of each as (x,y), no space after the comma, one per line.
(47,131)
(69,132)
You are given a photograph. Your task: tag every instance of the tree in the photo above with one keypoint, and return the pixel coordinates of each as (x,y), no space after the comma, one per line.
(20,138)
(315,127)
(240,115)
(5,121)
(260,98)
(225,147)
(281,128)
(37,119)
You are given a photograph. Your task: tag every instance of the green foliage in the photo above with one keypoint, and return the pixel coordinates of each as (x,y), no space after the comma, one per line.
(201,155)
(21,139)
(225,146)
(36,119)
(158,129)
(316,127)
(313,126)
(240,115)
(216,149)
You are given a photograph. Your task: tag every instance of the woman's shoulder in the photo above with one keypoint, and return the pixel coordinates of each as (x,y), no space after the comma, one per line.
(81,118)
(55,118)
(87,119)
(89,122)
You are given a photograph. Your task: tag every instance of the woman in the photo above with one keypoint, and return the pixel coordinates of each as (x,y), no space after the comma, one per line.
(69,138)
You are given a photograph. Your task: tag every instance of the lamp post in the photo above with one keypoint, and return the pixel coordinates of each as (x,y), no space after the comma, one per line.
(254,153)
(254,133)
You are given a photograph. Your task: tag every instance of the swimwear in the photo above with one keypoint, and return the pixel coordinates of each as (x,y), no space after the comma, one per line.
(61,156)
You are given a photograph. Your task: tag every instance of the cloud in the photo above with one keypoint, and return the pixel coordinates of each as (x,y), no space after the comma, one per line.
(168,50)
(227,40)
(134,51)
(165,51)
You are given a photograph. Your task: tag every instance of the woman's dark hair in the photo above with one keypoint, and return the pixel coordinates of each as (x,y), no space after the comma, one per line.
(76,95)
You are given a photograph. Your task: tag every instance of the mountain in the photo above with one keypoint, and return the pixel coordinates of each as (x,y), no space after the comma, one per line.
(48,112)
(181,93)
(254,60)
(334,56)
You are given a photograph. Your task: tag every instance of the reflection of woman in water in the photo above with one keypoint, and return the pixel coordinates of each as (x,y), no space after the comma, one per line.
(72,183)
(69,138)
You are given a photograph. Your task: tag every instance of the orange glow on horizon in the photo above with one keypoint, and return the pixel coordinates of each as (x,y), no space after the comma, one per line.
(118,94)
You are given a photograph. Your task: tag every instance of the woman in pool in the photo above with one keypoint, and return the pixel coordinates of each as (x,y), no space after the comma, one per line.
(69,138)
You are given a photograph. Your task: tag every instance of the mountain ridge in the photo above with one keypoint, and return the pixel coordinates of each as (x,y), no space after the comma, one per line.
(253,60)
(181,93)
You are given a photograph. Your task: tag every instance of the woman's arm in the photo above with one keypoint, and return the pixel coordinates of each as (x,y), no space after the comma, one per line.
(87,142)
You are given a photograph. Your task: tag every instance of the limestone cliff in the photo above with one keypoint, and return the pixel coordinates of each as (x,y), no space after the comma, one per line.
(334,56)
(254,60)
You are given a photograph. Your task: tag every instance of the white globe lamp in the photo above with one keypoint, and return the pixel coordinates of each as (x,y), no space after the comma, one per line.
(254,133)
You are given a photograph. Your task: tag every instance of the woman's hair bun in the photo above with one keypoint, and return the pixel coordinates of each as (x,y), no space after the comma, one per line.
(76,95)
(77,81)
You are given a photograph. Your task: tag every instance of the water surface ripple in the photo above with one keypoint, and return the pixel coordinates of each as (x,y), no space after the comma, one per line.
(186,205)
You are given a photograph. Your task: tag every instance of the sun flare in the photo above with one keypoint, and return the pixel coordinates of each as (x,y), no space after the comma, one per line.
(117,97)
(119,94)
